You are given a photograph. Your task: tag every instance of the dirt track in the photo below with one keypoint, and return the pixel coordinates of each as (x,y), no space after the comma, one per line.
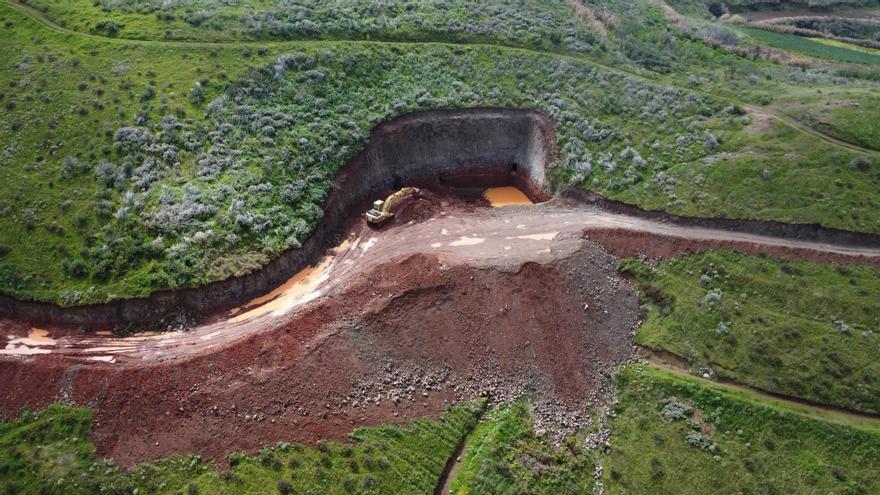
(450,301)
(503,239)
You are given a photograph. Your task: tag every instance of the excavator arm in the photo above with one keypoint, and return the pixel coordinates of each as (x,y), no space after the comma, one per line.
(394,198)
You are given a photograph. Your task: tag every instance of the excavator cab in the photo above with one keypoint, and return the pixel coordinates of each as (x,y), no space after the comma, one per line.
(381,210)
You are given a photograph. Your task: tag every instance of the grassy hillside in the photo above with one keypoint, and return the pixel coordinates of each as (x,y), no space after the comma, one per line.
(795,328)
(536,24)
(49,452)
(131,167)
(680,436)
(848,114)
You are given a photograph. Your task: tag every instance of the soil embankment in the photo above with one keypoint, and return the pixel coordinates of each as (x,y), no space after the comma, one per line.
(552,323)
(821,237)
(626,243)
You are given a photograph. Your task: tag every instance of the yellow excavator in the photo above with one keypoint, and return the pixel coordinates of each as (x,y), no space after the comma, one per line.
(381,210)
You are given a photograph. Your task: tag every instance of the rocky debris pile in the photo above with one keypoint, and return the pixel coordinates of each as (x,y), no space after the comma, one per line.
(394,382)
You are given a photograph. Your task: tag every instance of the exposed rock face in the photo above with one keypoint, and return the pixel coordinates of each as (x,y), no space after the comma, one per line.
(478,146)
(488,143)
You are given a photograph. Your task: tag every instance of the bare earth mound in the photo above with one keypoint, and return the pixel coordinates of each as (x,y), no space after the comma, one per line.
(439,332)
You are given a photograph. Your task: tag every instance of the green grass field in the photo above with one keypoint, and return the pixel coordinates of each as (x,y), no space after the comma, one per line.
(679,436)
(812,47)
(49,452)
(794,328)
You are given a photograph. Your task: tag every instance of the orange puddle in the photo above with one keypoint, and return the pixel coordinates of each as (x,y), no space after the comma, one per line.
(506,196)
(34,343)
(302,287)
(299,288)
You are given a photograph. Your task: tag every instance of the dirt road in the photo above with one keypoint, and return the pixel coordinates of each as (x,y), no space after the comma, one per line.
(503,238)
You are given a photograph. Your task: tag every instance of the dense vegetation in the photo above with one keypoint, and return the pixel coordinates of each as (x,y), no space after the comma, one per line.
(795,328)
(49,452)
(132,167)
(680,436)
(533,23)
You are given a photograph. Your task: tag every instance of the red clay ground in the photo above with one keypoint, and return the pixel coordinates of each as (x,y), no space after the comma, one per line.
(451,332)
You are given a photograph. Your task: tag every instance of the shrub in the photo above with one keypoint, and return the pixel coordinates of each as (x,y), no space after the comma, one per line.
(675,410)
(860,163)
(4,250)
(841,326)
(699,440)
(108,27)
(76,268)
(284,487)
(148,94)
(197,94)
(710,141)
(714,296)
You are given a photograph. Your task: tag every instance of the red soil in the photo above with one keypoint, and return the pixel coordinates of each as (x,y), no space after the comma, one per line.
(450,332)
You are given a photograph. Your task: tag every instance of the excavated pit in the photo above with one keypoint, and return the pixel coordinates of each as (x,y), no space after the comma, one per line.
(466,149)
(469,148)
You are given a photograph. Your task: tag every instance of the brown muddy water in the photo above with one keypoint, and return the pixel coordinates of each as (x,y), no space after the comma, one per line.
(302,287)
(506,196)
(35,343)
